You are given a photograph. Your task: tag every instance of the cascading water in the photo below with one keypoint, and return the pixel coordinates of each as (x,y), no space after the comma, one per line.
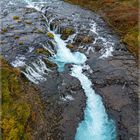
(64,55)
(96,124)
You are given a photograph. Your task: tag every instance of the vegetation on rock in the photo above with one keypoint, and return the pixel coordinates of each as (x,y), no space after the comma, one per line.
(50,35)
(16,37)
(67,32)
(16,18)
(70,46)
(20,43)
(43,51)
(50,63)
(80,38)
(4,30)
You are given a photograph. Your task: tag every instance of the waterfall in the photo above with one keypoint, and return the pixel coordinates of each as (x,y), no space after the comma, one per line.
(96,124)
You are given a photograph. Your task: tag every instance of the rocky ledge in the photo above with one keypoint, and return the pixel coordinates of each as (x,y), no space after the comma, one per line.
(115,78)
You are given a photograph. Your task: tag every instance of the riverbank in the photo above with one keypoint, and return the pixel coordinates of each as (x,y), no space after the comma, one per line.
(22,109)
(122,16)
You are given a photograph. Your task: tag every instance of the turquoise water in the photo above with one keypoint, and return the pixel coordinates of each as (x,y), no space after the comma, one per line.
(96,124)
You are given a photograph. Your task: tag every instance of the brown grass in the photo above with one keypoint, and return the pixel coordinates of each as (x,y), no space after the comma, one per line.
(121,15)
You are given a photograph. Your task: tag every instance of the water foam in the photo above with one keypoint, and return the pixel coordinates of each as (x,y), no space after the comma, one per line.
(65,56)
(96,125)
(107,44)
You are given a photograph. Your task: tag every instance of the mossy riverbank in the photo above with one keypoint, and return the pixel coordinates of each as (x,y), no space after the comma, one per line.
(121,15)
(22,111)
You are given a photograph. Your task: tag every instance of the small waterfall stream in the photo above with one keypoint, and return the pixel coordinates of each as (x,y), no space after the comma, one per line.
(96,124)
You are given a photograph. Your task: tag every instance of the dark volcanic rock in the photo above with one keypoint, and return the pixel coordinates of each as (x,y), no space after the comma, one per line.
(65,101)
(115,78)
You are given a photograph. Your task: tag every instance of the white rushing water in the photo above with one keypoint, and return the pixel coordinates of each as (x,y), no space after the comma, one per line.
(108,44)
(96,124)
(65,56)
(36,71)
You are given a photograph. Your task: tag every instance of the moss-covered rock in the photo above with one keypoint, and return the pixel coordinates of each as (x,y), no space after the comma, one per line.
(87,39)
(4,30)
(21,43)
(50,35)
(16,37)
(39,31)
(15,111)
(16,17)
(70,46)
(66,32)
(83,39)
(132,38)
(43,51)
(50,63)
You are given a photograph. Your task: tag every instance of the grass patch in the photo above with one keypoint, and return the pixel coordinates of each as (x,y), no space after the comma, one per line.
(22,111)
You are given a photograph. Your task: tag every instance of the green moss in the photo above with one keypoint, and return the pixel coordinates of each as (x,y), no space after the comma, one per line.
(43,51)
(132,39)
(50,63)
(20,43)
(66,33)
(50,35)
(22,110)
(16,17)
(4,30)
(15,110)
(70,46)
(16,37)
(40,31)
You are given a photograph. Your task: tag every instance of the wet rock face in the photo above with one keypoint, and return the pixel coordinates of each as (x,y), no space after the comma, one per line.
(24,33)
(65,101)
(115,79)
(86,39)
